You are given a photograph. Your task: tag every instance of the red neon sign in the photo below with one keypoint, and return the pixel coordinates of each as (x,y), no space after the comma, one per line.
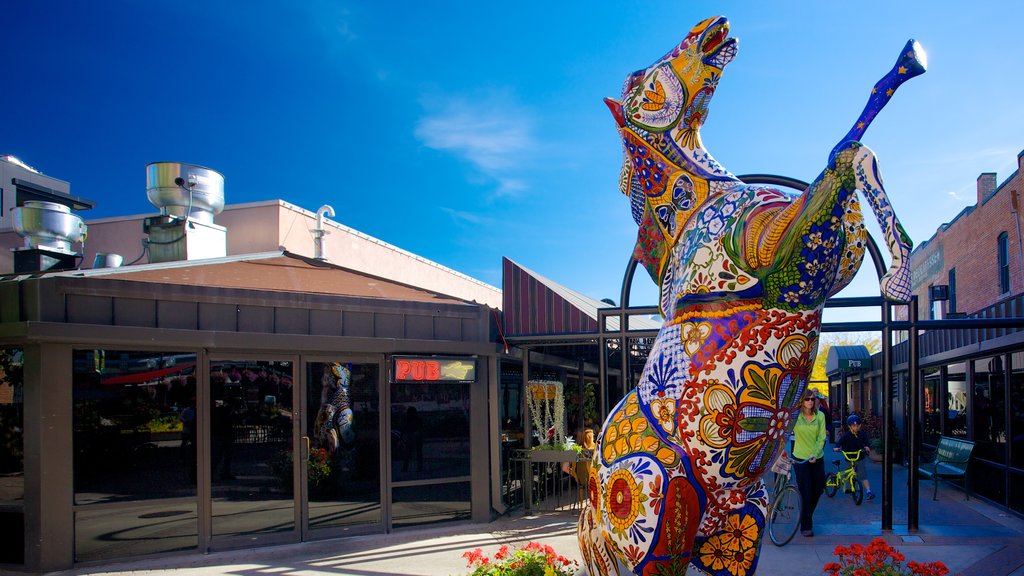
(427,370)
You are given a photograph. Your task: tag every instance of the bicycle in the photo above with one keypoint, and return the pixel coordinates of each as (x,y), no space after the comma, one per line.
(847,479)
(784,509)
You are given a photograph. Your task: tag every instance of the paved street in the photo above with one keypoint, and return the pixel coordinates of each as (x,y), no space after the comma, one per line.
(970,536)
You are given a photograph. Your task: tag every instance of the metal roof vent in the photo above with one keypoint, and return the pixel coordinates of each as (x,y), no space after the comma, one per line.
(49,230)
(185,190)
(188,197)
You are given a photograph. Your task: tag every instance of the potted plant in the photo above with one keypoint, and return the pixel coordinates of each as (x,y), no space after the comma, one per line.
(876,446)
(533,559)
(878,559)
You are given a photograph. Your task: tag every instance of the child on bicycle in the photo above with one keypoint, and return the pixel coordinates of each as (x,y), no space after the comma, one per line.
(852,441)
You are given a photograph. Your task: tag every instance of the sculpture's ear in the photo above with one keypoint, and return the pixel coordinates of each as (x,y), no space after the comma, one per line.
(616,109)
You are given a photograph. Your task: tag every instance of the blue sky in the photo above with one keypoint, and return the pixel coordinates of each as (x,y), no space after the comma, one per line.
(468,131)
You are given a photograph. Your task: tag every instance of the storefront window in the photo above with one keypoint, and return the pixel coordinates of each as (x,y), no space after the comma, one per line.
(988,480)
(134,433)
(931,416)
(990,409)
(12,461)
(1016,432)
(956,401)
(251,469)
(429,430)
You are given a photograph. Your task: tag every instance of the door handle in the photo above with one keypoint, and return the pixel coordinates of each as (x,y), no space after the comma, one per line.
(305,448)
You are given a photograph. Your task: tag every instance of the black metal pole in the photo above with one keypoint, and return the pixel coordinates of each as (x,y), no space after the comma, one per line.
(887,439)
(602,378)
(844,407)
(527,432)
(914,397)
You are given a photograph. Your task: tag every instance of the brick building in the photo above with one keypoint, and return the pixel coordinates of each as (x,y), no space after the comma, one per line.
(971,380)
(978,254)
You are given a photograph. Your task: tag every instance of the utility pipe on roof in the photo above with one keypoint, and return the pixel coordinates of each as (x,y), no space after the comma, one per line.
(319,232)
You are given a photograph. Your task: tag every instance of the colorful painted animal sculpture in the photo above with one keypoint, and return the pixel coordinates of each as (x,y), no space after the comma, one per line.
(744,271)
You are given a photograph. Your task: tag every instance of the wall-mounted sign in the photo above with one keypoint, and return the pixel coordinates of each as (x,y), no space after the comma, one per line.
(426,369)
(925,267)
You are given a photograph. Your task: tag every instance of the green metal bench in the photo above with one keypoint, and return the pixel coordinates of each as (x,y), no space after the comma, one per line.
(950,460)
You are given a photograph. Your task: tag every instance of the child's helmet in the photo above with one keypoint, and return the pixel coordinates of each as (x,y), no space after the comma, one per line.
(852,419)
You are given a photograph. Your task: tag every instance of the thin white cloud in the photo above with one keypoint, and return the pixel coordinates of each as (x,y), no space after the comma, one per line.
(461,216)
(491,132)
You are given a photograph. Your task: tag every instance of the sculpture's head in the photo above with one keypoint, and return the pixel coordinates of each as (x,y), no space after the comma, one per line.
(673,94)
(659,116)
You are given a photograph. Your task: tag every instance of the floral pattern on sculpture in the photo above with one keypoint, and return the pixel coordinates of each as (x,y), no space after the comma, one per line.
(743,272)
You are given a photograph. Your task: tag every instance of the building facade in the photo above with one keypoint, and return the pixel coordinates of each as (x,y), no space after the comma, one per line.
(971,379)
(265,396)
(979,255)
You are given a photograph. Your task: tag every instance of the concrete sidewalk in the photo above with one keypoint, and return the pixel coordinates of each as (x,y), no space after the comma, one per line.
(971,537)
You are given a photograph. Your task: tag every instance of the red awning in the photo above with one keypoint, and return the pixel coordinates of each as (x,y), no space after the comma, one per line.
(142,377)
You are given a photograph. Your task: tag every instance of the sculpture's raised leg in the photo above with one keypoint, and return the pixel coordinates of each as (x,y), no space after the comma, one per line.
(896,281)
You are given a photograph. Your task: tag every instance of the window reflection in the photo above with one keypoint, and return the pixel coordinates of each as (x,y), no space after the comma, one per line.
(429,430)
(956,401)
(1017,414)
(990,409)
(930,409)
(343,424)
(12,460)
(250,461)
(134,425)
(134,419)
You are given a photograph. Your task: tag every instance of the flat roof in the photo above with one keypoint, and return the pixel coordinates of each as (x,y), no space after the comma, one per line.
(272,271)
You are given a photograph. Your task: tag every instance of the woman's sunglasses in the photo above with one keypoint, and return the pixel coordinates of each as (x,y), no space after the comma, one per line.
(809,398)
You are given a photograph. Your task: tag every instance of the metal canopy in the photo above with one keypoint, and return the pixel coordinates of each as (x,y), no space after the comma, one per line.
(847,359)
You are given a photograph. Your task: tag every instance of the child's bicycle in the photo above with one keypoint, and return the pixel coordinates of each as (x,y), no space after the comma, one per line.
(785,504)
(847,479)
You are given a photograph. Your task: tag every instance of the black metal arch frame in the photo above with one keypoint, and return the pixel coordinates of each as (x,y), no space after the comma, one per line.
(886,325)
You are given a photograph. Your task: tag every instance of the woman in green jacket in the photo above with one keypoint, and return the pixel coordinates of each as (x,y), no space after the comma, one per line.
(808,451)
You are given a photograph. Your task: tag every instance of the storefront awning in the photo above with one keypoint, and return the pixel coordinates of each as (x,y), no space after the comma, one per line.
(847,359)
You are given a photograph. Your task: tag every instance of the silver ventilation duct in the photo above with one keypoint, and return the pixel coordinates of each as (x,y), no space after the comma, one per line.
(185,190)
(188,197)
(48,225)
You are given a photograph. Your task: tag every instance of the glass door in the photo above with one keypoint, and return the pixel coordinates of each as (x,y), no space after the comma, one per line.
(250,456)
(342,444)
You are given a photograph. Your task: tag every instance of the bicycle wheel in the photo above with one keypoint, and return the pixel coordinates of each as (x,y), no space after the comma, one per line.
(831,484)
(858,491)
(784,516)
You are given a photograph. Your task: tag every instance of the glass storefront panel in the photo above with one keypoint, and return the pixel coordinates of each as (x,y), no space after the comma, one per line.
(1016,433)
(988,480)
(956,401)
(104,533)
(134,435)
(989,409)
(134,425)
(251,464)
(12,457)
(429,430)
(430,503)
(931,416)
(1016,497)
(343,425)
